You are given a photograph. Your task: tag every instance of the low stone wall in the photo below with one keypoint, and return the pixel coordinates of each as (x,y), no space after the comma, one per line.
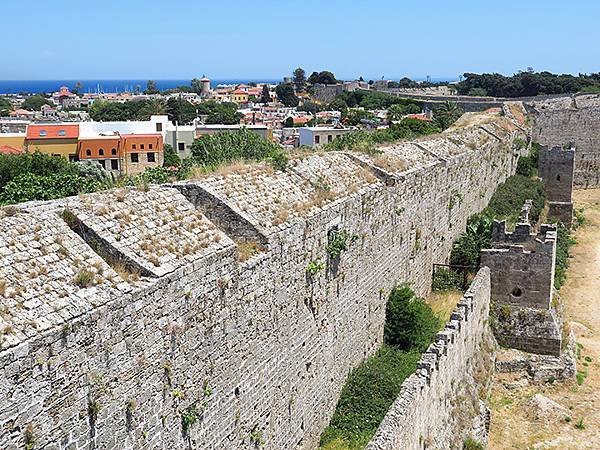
(531,330)
(439,406)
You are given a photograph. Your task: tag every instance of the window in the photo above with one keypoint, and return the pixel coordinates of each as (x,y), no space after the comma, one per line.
(102,163)
(317,139)
(181,146)
(141,146)
(135,157)
(101,152)
(159,127)
(329,138)
(150,146)
(151,157)
(62,133)
(43,133)
(114,164)
(88,152)
(133,146)
(113,151)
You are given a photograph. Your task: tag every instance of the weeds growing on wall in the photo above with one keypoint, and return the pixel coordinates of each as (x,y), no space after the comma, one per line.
(505,204)
(374,385)
(528,165)
(447,279)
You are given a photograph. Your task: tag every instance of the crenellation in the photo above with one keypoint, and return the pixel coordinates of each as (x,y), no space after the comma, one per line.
(416,414)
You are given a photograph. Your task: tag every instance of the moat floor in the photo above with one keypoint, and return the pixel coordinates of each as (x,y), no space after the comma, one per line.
(516,424)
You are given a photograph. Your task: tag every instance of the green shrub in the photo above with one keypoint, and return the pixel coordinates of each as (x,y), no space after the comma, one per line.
(367,141)
(564,241)
(369,392)
(29,186)
(446,279)
(528,165)
(170,157)
(507,201)
(472,444)
(466,250)
(410,324)
(214,150)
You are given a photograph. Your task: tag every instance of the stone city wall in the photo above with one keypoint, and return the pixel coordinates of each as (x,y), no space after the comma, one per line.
(135,319)
(572,120)
(427,413)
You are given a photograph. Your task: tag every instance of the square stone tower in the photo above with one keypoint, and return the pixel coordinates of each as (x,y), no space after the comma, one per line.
(556,168)
(522,265)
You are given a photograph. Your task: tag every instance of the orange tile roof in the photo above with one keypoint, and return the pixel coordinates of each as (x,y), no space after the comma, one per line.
(9,150)
(419,117)
(52,131)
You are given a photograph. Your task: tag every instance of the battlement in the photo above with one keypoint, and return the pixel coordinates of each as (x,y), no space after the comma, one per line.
(446,368)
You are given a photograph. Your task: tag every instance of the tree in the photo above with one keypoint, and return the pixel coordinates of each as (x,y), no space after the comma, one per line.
(220,113)
(313,78)
(289,122)
(286,95)
(180,110)
(5,107)
(300,79)
(151,87)
(338,104)
(196,86)
(395,112)
(358,116)
(151,108)
(170,157)
(445,115)
(265,96)
(35,102)
(324,77)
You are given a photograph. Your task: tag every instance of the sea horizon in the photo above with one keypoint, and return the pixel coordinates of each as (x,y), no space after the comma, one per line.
(128,85)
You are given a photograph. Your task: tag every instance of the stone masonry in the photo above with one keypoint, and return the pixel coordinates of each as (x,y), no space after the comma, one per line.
(556,168)
(571,120)
(441,397)
(522,270)
(130,320)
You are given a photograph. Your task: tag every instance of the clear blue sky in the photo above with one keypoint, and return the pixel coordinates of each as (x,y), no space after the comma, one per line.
(115,39)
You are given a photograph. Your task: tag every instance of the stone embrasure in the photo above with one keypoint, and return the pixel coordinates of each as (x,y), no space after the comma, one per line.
(159,229)
(48,275)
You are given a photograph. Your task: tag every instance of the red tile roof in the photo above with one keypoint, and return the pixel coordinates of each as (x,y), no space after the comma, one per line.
(52,131)
(422,117)
(9,150)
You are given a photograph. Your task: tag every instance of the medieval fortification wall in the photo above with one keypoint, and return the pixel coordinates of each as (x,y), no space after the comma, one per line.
(183,316)
(575,119)
(438,405)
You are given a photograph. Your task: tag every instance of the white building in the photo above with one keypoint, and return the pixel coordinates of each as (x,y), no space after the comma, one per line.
(315,136)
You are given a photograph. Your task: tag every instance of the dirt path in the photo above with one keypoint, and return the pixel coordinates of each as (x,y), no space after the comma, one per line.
(514,423)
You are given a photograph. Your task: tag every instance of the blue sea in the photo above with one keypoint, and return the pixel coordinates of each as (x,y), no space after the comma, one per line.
(45,86)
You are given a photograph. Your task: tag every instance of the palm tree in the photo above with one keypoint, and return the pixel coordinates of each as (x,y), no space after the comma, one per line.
(446,114)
